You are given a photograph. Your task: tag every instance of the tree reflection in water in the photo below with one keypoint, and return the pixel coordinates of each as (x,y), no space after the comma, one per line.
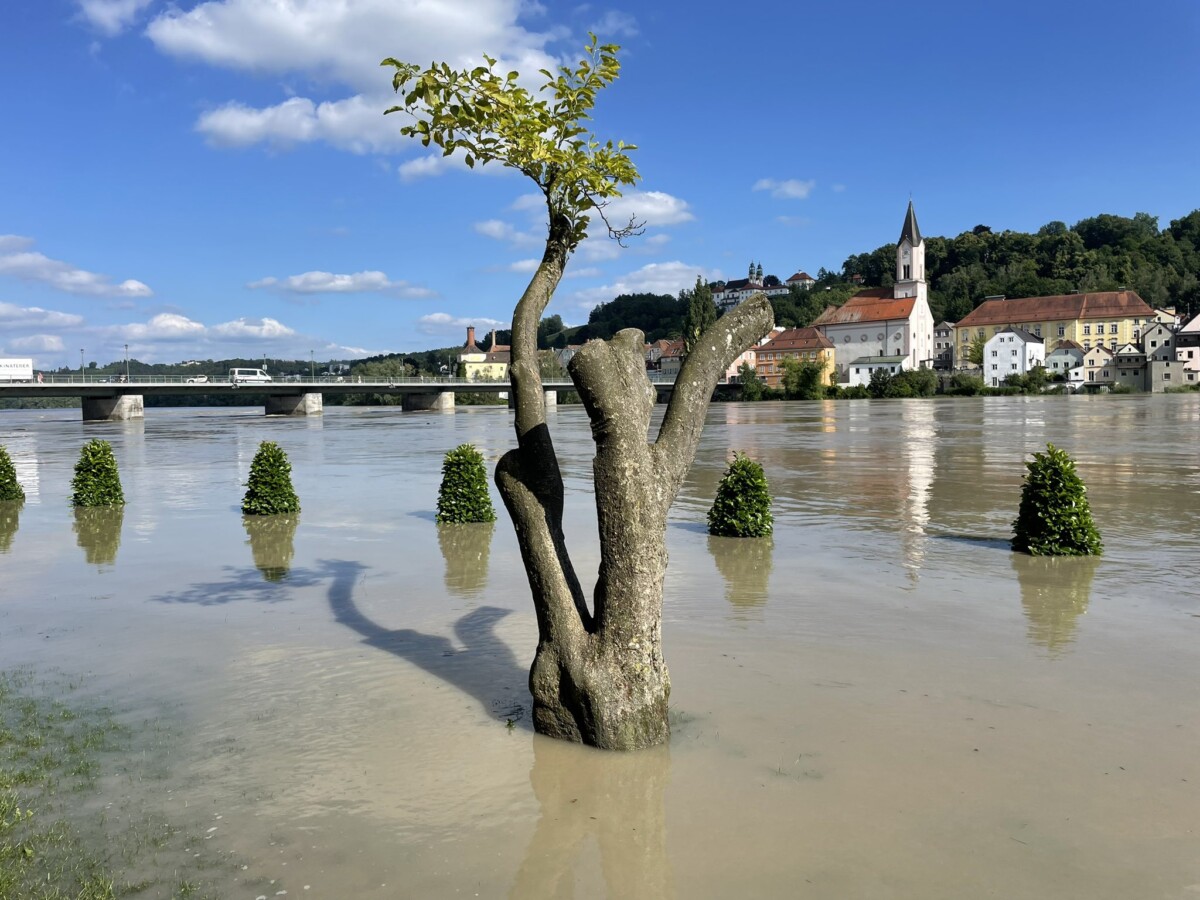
(98,532)
(745,564)
(616,798)
(10,521)
(1055,592)
(465,548)
(272,542)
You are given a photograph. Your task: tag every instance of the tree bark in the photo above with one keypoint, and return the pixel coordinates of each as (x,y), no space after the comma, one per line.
(599,676)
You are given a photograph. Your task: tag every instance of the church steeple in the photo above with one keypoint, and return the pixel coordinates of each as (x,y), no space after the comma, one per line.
(910,259)
(910,229)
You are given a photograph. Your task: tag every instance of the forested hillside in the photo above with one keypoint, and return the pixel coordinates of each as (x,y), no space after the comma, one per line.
(1104,252)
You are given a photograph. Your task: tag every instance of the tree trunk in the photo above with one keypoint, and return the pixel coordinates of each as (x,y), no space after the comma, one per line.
(599,676)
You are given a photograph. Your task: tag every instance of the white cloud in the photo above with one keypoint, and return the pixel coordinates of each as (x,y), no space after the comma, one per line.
(444,323)
(582,272)
(355,124)
(654,208)
(654,278)
(38,343)
(424,167)
(18,260)
(252,329)
(163,327)
(12,316)
(112,16)
(791,189)
(837,188)
(615,24)
(524,265)
(339,43)
(330,283)
(506,231)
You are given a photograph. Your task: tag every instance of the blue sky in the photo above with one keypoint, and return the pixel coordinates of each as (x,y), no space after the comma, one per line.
(216,179)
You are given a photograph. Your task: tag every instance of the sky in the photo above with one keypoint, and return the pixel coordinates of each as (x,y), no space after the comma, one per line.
(209,180)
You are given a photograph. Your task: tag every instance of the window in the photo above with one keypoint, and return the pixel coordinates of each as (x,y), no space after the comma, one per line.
(846,339)
(995,353)
(1112,329)
(907,272)
(1037,330)
(1087,329)
(994,367)
(1087,345)
(1014,367)
(862,337)
(1112,343)
(1014,353)
(1062,330)
(1154,343)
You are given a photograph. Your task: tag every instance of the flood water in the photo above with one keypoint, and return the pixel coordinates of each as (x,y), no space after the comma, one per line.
(881,702)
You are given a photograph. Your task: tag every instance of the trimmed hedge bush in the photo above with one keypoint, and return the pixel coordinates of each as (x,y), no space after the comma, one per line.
(463,496)
(269,490)
(10,488)
(97,483)
(1055,518)
(742,507)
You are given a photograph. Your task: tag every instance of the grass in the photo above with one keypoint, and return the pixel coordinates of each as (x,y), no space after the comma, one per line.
(54,844)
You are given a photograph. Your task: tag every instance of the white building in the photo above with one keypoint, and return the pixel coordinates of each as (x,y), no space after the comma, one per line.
(1013,351)
(887,322)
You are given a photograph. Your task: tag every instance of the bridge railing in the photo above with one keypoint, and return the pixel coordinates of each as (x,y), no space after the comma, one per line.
(190,381)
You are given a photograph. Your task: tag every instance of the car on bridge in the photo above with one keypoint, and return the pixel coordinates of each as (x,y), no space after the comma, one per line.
(198,379)
(248,376)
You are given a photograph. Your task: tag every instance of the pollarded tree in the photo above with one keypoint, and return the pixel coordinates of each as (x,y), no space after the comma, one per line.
(598,676)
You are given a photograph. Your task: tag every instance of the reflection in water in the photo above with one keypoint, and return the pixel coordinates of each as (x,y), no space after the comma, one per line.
(465,547)
(745,564)
(1055,592)
(98,532)
(617,798)
(917,450)
(272,540)
(10,515)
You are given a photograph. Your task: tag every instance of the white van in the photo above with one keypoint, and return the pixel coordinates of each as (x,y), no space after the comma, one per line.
(248,376)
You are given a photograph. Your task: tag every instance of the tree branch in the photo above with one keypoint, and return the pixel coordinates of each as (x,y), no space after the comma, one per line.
(716,349)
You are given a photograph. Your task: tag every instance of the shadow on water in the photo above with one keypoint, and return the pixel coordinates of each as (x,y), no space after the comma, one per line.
(483,667)
(745,564)
(10,521)
(98,533)
(1055,592)
(465,548)
(245,584)
(615,798)
(978,540)
(272,543)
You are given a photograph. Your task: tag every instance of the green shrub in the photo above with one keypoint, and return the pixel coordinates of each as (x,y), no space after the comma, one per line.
(1054,519)
(742,507)
(97,481)
(10,488)
(463,496)
(269,490)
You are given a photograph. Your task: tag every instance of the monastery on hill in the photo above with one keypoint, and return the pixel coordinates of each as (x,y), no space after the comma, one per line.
(885,328)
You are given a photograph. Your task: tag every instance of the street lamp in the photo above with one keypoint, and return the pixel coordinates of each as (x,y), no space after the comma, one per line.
(126,362)
(312,366)
(81,364)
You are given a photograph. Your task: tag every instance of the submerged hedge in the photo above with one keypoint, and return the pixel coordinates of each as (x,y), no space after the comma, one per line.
(1055,518)
(97,481)
(269,490)
(742,507)
(463,495)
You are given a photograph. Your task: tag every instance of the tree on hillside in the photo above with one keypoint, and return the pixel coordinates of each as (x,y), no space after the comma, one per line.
(701,313)
(598,675)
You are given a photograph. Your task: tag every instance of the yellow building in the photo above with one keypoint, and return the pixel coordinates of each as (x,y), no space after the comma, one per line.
(1107,319)
(795,343)
(483,365)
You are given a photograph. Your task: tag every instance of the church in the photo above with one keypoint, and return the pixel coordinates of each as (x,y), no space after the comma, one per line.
(885,328)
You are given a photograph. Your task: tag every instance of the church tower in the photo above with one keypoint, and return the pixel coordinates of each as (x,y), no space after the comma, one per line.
(910,260)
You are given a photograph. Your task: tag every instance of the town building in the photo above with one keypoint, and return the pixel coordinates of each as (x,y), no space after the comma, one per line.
(861,369)
(800,344)
(747,357)
(886,322)
(1013,351)
(1097,366)
(943,346)
(491,364)
(727,295)
(1104,318)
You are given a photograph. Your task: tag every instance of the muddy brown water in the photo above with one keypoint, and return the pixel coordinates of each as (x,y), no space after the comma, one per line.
(880,702)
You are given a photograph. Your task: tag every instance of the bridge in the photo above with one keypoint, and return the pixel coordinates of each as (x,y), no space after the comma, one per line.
(114,398)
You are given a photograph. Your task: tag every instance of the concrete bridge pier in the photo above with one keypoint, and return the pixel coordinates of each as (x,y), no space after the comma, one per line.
(549,398)
(114,409)
(440,400)
(295,404)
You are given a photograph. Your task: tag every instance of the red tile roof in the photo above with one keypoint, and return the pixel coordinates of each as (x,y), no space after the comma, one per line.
(801,276)
(872,305)
(797,339)
(1062,307)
